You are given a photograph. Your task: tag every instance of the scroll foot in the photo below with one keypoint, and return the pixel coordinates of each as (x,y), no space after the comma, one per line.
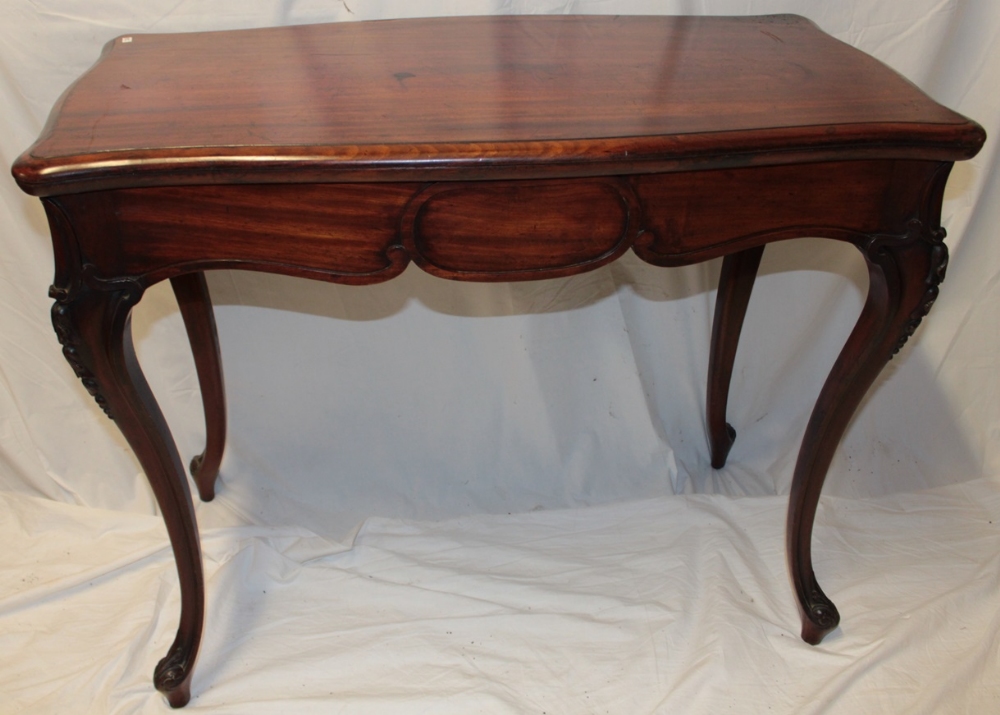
(721,446)
(819,616)
(172,676)
(206,492)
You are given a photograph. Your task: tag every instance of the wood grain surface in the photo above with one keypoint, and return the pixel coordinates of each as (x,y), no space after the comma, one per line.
(356,101)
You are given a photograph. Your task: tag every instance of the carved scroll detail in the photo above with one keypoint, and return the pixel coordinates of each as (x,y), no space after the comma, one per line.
(822,612)
(935,275)
(172,670)
(65,323)
(66,334)
(933,240)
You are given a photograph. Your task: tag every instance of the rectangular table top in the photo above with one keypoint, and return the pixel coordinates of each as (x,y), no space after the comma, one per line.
(469,93)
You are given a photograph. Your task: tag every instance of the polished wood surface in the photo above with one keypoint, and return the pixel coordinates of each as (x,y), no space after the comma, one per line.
(487,149)
(463,96)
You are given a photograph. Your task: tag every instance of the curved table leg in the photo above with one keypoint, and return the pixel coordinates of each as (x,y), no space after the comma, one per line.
(92,321)
(739,270)
(904,273)
(196,309)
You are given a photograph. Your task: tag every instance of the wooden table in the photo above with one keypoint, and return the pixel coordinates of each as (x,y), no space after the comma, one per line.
(483,149)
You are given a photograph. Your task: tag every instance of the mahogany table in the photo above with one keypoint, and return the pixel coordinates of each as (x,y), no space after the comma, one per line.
(483,149)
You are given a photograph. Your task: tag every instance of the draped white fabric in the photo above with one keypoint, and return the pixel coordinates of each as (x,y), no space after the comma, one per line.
(446,497)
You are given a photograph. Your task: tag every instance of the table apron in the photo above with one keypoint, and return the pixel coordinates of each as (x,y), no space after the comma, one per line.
(484,230)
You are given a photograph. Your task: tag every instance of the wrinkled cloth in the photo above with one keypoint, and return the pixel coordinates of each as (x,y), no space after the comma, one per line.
(664,605)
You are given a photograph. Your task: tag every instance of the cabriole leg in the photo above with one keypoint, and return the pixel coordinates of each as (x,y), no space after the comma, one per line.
(904,273)
(739,270)
(93,323)
(199,320)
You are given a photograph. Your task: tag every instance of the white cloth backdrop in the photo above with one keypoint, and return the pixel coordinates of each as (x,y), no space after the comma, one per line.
(443,497)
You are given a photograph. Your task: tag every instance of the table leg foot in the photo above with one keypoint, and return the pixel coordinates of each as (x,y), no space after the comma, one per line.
(739,270)
(721,444)
(904,273)
(92,319)
(172,676)
(819,615)
(206,486)
(195,304)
